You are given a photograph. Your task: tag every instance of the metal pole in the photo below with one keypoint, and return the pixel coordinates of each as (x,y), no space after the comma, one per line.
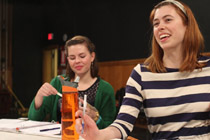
(3,51)
(6,41)
(1,11)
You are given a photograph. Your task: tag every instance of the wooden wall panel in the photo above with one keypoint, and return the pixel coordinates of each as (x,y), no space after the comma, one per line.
(117,72)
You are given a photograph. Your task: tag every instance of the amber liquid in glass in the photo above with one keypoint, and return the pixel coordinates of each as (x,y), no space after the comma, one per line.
(69,107)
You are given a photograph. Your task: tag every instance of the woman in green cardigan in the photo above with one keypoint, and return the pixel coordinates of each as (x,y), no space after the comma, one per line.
(80,52)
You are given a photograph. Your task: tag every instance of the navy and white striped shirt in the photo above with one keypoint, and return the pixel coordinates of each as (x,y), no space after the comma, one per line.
(176,103)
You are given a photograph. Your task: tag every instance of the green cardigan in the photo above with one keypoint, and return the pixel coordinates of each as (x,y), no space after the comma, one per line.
(104,103)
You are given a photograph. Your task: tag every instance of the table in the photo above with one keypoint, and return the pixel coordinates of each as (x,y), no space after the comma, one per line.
(20,136)
(21,129)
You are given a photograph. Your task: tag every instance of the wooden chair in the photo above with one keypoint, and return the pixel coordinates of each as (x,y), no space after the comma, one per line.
(131,138)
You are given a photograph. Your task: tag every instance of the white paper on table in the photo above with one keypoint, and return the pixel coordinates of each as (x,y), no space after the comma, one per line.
(49,132)
(30,127)
(9,124)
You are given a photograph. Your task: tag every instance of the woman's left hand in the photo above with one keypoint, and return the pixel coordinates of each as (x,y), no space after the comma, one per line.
(90,110)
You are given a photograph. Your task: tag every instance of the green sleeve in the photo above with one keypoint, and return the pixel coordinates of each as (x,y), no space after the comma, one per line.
(105,104)
(48,109)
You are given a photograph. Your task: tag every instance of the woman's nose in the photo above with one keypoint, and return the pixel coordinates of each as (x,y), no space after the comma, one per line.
(77,59)
(161,26)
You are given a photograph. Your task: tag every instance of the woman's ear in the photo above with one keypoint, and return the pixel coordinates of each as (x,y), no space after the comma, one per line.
(93,55)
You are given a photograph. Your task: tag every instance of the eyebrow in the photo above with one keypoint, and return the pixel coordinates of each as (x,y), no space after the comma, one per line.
(163,17)
(79,54)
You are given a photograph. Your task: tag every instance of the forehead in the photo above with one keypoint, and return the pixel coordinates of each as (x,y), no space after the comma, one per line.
(165,10)
(78,47)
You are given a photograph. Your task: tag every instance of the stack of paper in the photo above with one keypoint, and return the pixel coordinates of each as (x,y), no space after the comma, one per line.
(31,127)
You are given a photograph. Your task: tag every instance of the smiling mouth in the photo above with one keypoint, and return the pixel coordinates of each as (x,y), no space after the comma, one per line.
(164,37)
(78,67)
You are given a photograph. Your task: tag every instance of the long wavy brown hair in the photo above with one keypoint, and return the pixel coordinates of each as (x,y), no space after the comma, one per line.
(193,43)
(91,48)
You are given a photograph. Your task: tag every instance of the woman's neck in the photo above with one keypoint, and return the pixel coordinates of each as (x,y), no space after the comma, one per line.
(172,60)
(85,82)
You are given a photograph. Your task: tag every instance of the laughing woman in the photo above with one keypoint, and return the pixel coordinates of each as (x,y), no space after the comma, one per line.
(173,85)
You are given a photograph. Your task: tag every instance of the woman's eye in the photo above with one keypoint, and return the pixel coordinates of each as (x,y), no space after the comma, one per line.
(82,56)
(71,58)
(155,24)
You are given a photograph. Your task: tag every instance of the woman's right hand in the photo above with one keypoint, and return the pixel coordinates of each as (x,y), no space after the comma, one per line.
(45,90)
(91,131)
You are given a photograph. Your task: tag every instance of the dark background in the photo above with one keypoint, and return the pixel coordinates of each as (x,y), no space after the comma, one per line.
(120,30)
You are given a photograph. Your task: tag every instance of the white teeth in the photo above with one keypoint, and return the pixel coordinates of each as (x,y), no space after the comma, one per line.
(164,35)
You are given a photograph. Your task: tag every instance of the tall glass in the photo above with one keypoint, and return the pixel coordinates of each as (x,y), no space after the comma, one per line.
(69,107)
